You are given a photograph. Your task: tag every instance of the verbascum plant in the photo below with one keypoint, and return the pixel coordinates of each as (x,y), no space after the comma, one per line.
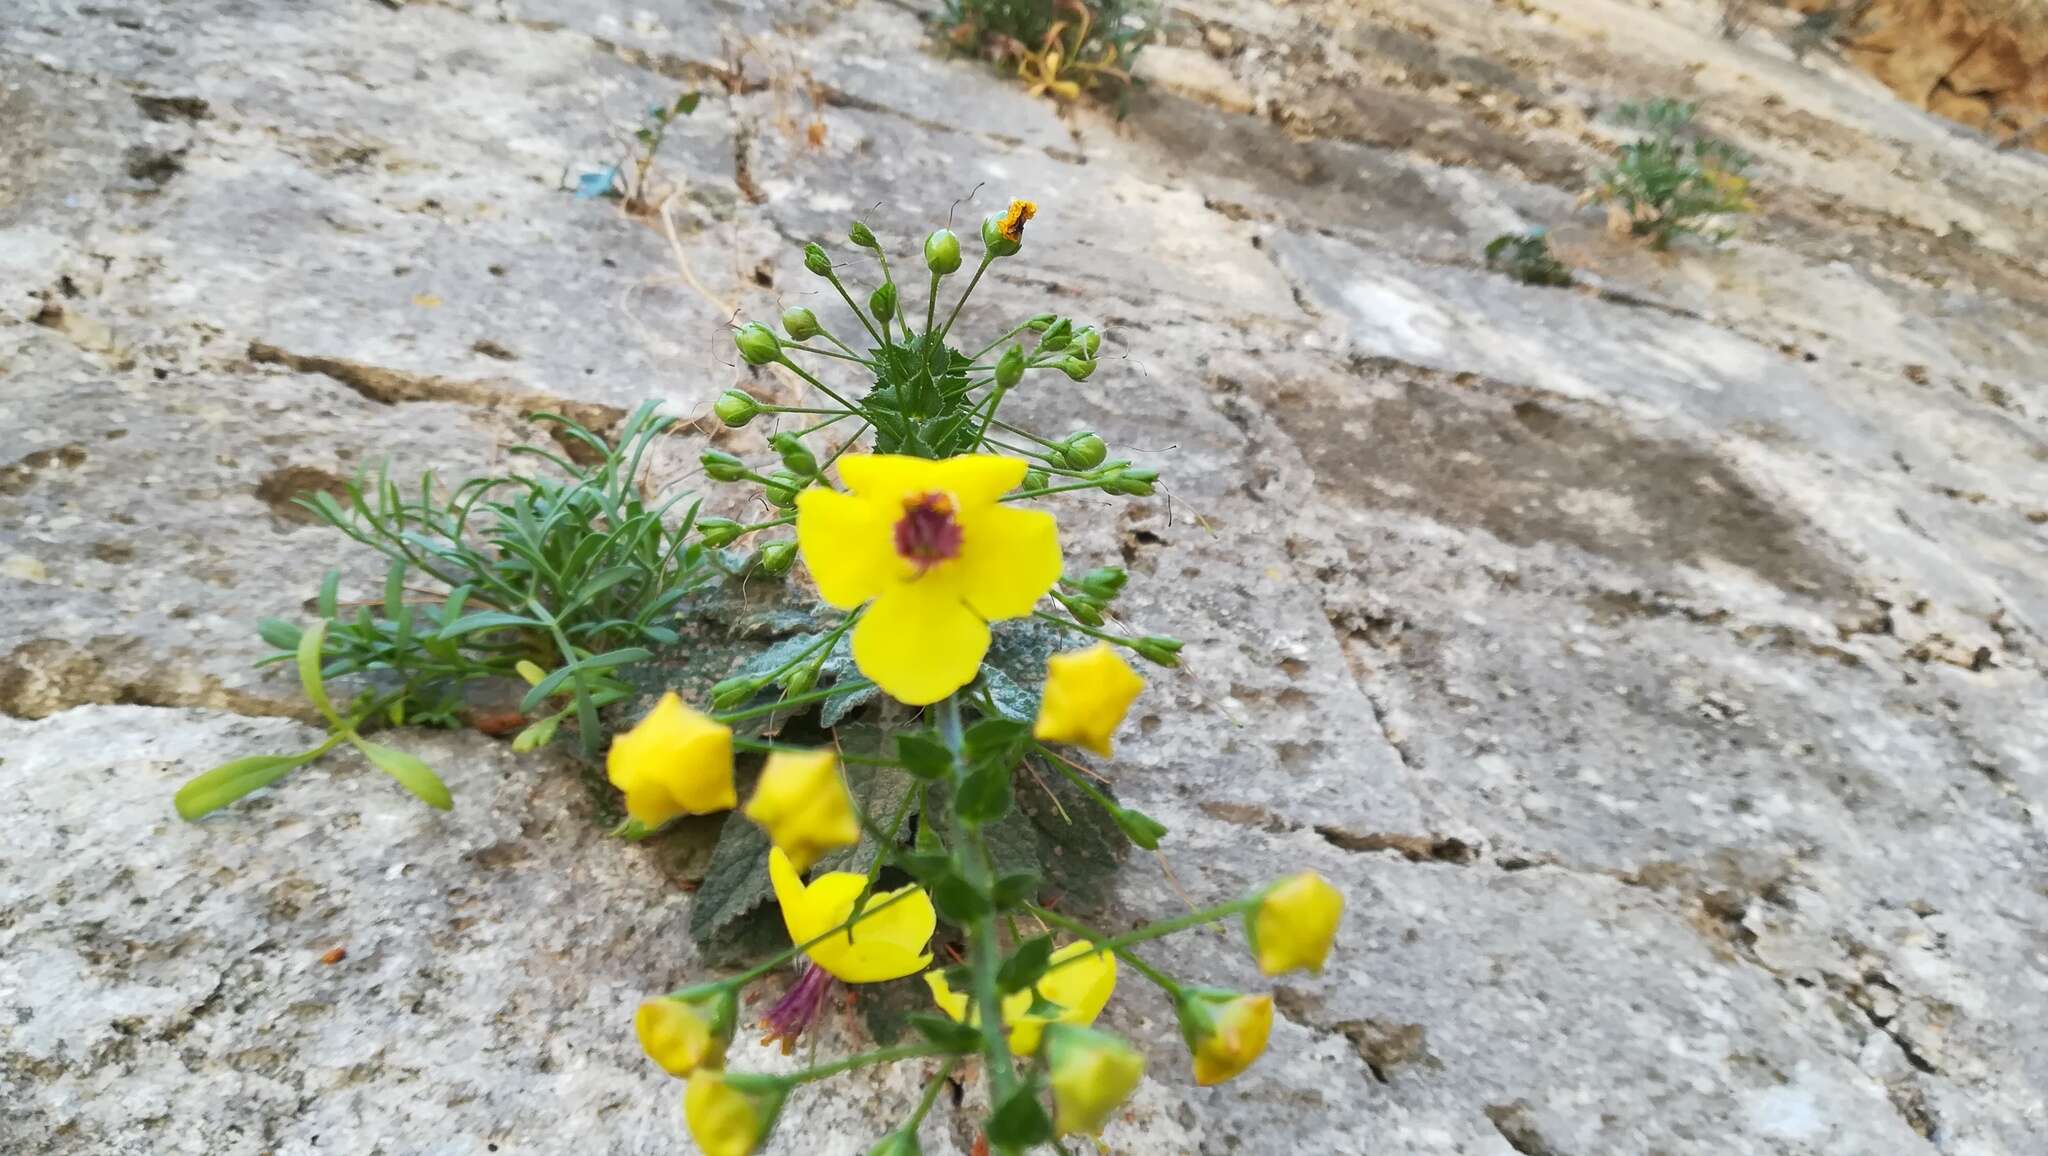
(939,675)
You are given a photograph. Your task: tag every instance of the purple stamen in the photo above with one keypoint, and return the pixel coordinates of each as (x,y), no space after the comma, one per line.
(797,1008)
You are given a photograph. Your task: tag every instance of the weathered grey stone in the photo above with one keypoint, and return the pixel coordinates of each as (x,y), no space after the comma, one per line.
(1654,663)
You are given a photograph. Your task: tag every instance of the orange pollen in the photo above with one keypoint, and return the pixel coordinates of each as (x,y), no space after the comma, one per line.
(1013,221)
(927,533)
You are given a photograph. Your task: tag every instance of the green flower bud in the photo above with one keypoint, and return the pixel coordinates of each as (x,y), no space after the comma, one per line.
(1036,479)
(816,261)
(718,532)
(803,677)
(1057,335)
(757,343)
(1159,648)
(736,407)
(1141,828)
(897,1144)
(1086,611)
(1132,483)
(942,252)
(733,691)
(1010,367)
(794,455)
(1002,234)
(800,323)
(863,236)
(778,557)
(1078,368)
(536,736)
(1104,582)
(1084,450)
(1088,340)
(721,467)
(882,303)
(782,489)
(1041,323)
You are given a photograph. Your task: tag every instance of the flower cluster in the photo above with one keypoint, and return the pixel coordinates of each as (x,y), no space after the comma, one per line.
(926,546)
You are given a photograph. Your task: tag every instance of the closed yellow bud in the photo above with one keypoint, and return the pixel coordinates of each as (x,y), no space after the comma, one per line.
(1295,923)
(673,762)
(803,805)
(1092,1074)
(731,1114)
(685,1033)
(1086,695)
(1225,1031)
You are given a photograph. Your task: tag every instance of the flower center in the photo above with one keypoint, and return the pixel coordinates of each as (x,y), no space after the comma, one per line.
(927,534)
(797,1008)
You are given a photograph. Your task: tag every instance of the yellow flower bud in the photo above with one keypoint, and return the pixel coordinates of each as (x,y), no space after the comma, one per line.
(1086,695)
(683,1034)
(673,762)
(1079,983)
(1225,1031)
(1295,923)
(731,1114)
(1092,1074)
(803,805)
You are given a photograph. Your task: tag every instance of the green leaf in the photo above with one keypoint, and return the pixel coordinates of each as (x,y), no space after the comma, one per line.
(592,665)
(735,887)
(834,710)
(958,902)
(1019,1122)
(484,620)
(1025,965)
(946,1033)
(209,792)
(886,1008)
(411,773)
(310,644)
(1014,889)
(995,739)
(279,633)
(687,103)
(985,796)
(330,591)
(924,755)
(1079,846)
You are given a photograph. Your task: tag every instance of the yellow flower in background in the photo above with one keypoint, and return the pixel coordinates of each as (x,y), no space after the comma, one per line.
(1092,1074)
(888,944)
(683,1035)
(934,554)
(803,805)
(673,762)
(1295,923)
(1081,988)
(1086,695)
(731,1114)
(1225,1031)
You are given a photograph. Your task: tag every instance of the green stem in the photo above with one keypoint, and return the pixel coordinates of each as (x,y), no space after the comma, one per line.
(829,353)
(770,748)
(827,390)
(867,1060)
(1164,927)
(1020,495)
(984,953)
(931,303)
(858,314)
(1166,982)
(792,951)
(828,335)
(930,1097)
(1083,628)
(833,691)
(987,259)
(995,401)
(811,429)
(804,409)
(1025,433)
(1000,340)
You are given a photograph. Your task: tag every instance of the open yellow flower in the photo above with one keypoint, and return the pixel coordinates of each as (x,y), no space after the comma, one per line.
(888,944)
(1295,923)
(1081,988)
(934,554)
(803,805)
(731,1114)
(1225,1031)
(1092,1074)
(684,1034)
(673,762)
(1086,695)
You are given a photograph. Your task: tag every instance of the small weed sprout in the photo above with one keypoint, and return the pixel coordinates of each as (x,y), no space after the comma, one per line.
(1526,257)
(1061,48)
(1673,181)
(562,581)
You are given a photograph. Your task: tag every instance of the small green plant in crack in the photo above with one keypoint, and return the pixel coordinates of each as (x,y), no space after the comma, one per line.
(1527,258)
(561,579)
(1061,48)
(1674,180)
(630,179)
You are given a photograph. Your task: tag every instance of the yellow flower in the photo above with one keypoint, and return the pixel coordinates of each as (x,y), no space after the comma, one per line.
(802,803)
(731,1114)
(1093,1073)
(684,1034)
(1012,225)
(1086,695)
(888,944)
(1081,988)
(934,554)
(1225,1031)
(1295,924)
(673,762)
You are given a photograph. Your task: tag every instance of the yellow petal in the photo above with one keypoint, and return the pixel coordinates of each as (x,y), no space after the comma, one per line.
(1009,559)
(804,920)
(920,643)
(675,1035)
(675,761)
(1087,693)
(953,1003)
(849,545)
(804,806)
(869,962)
(1082,987)
(1242,1026)
(1296,923)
